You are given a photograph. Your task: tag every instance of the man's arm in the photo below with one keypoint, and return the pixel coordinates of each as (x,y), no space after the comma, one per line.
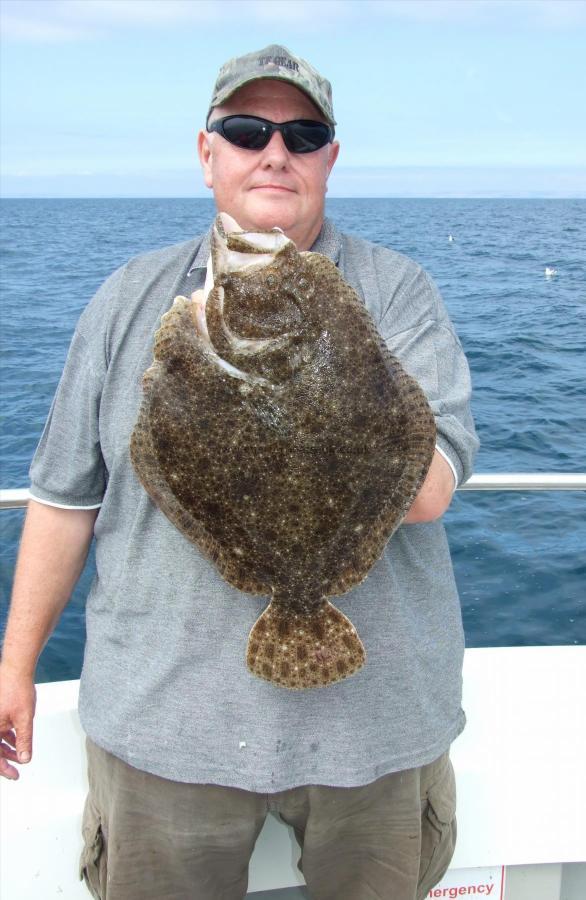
(53,550)
(435,494)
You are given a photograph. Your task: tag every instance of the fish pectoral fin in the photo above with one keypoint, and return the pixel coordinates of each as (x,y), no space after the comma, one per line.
(300,651)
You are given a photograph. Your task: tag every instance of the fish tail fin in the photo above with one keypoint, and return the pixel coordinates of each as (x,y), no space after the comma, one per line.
(300,651)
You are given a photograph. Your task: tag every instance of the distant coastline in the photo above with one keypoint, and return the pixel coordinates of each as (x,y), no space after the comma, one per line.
(350,182)
(199,197)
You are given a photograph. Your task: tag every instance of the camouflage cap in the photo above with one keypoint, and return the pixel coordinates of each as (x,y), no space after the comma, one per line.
(274,61)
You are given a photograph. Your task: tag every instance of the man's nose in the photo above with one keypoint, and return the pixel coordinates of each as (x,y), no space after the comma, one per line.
(275,153)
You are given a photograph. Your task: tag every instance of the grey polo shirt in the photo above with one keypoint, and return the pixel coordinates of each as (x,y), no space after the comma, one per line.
(164,684)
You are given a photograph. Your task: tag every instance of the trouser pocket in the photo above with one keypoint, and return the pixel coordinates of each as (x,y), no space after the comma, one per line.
(438,827)
(92,865)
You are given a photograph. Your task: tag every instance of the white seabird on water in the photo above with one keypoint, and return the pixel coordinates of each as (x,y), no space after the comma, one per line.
(549,271)
(450,238)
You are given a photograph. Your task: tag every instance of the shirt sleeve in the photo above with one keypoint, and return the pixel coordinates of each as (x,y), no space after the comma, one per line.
(418,331)
(68,469)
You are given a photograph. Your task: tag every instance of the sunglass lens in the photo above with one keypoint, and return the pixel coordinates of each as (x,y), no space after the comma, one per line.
(246,133)
(305,137)
(250,133)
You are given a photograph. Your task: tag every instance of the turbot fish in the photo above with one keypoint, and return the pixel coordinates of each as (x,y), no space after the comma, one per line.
(279,434)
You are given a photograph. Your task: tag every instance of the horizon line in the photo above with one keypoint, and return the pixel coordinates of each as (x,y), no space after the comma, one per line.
(485,196)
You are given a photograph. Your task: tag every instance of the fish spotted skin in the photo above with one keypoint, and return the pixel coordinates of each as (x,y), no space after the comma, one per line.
(281,436)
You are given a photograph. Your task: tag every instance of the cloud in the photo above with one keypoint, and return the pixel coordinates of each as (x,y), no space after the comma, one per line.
(35,23)
(539,13)
(66,20)
(564,13)
(54,21)
(139,12)
(302,12)
(431,10)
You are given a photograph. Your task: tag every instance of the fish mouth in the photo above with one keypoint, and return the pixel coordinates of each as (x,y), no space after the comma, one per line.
(225,224)
(235,249)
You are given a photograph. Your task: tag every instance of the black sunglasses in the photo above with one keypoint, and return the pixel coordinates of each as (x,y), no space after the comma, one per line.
(254,133)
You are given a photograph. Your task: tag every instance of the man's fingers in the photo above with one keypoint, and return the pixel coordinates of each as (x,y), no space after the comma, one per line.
(6,770)
(17,709)
(7,752)
(8,736)
(24,739)
(15,746)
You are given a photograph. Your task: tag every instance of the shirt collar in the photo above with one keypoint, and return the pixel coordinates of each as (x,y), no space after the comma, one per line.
(202,253)
(328,243)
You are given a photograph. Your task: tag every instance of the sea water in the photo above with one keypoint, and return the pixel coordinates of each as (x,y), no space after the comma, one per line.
(519,557)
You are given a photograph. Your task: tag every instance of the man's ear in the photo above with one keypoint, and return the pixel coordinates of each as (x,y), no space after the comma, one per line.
(204,151)
(333,155)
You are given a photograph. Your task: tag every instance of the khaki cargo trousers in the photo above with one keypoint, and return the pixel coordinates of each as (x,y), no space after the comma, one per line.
(147,838)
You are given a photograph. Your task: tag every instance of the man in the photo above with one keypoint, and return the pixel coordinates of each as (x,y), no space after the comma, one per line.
(187,750)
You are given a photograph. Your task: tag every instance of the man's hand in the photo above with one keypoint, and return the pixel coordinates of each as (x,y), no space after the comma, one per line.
(17,708)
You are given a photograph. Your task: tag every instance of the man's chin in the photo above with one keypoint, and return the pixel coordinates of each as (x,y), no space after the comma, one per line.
(272,212)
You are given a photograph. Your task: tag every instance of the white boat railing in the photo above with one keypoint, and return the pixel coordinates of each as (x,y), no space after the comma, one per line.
(524,481)
(526,727)
(15,498)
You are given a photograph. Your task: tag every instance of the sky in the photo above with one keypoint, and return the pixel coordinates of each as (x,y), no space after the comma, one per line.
(104,98)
